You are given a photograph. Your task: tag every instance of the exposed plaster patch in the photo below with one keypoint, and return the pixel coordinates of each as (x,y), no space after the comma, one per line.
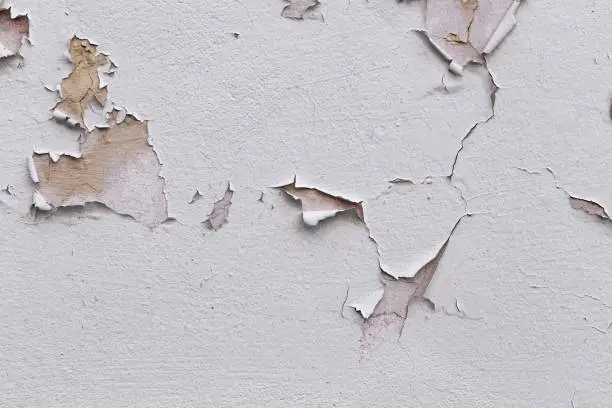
(464,30)
(14,31)
(220,213)
(83,93)
(318,205)
(117,167)
(298,9)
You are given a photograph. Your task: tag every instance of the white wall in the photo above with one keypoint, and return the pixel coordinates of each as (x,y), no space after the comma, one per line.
(98,310)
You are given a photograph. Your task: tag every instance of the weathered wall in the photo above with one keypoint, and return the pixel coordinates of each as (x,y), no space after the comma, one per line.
(99,309)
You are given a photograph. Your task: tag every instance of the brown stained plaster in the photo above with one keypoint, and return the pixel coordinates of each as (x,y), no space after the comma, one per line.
(82,88)
(13,32)
(318,205)
(464,30)
(298,9)
(220,213)
(117,167)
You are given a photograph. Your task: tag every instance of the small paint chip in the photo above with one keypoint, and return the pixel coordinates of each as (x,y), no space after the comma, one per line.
(318,205)
(297,9)
(220,213)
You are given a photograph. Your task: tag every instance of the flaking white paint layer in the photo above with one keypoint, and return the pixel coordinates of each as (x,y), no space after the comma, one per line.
(98,310)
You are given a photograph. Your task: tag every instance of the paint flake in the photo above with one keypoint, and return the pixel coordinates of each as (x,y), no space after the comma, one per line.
(220,213)
(318,205)
(13,32)
(366,304)
(464,30)
(297,9)
(117,167)
(589,207)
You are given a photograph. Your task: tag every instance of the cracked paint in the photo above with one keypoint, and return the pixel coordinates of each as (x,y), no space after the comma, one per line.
(464,30)
(384,130)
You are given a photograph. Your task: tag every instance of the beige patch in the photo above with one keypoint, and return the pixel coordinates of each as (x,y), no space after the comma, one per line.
(82,87)
(117,167)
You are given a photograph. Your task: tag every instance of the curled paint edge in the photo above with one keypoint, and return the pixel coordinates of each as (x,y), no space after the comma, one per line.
(312,218)
(366,304)
(62,116)
(32,170)
(39,201)
(55,155)
(503,28)
(453,66)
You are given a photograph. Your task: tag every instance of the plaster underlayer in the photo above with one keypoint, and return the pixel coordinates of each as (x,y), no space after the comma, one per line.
(97,309)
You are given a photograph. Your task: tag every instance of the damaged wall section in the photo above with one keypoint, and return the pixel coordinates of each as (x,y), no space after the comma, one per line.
(117,167)
(14,31)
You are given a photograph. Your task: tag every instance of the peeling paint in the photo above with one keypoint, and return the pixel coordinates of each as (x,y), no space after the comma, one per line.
(366,304)
(117,167)
(464,30)
(318,205)
(196,196)
(410,206)
(83,95)
(14,31)
(388,318)
(589,207)
(298,9)
(220,213)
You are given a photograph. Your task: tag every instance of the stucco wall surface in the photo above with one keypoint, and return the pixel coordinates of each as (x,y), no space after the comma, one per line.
(98,309)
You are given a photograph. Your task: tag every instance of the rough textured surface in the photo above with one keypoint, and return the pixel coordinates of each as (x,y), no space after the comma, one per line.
(99,310)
